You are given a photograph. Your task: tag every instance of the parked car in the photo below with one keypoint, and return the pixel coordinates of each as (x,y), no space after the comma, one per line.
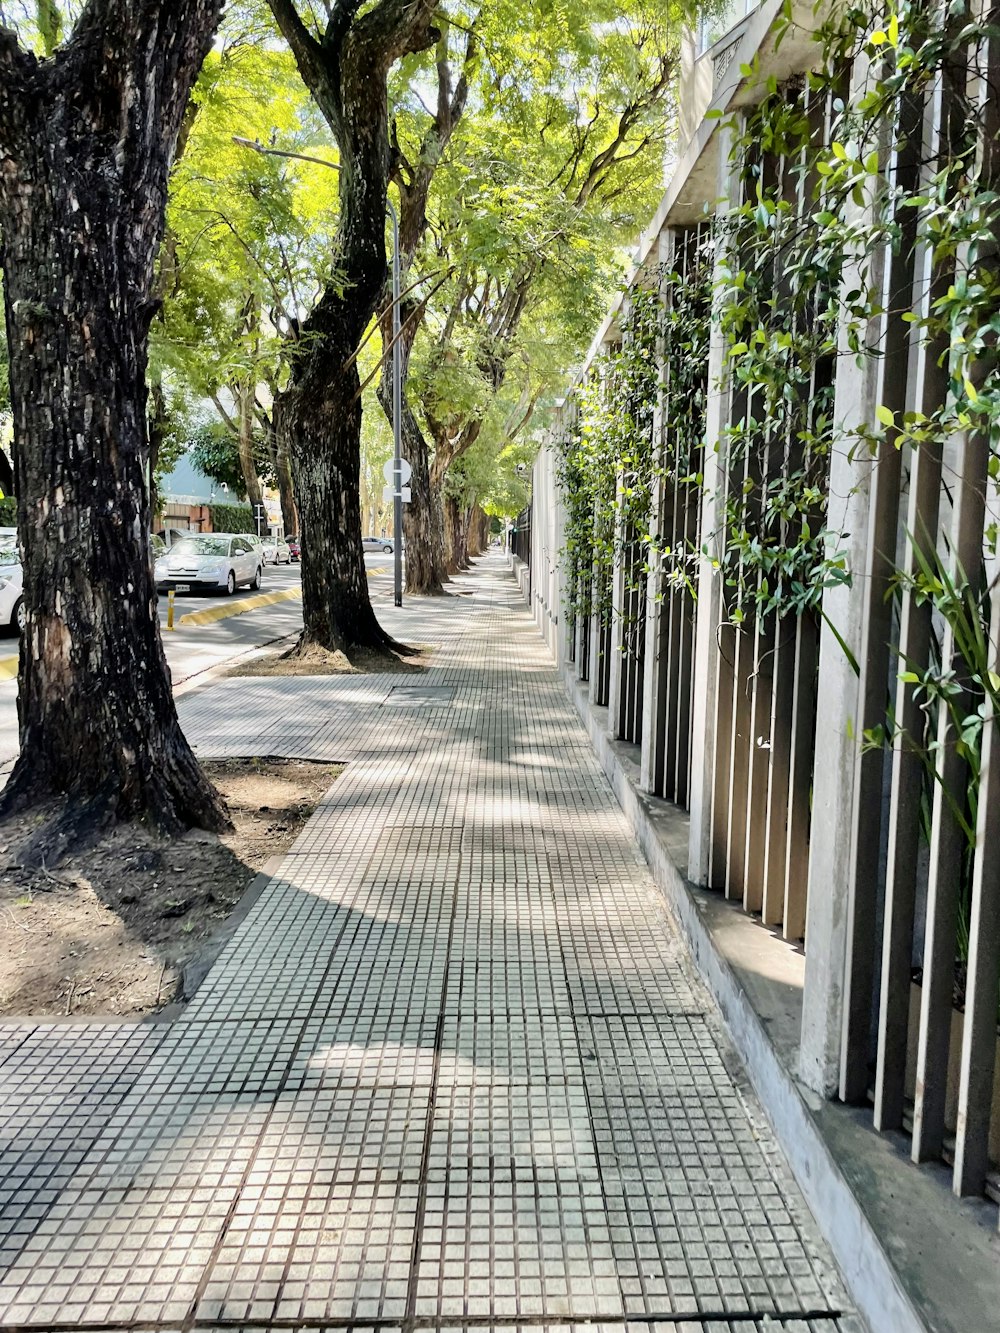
(210,562)
(295,548)
(257,542)
(282,552)
(11,587)
(377,544)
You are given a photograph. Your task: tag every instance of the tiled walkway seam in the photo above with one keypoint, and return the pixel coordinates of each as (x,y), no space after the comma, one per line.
(454,1070)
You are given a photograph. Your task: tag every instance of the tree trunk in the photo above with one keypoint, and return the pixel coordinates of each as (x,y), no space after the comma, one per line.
(318,415)
(475,543)
(336,610)
(82,193)
(423,554)
(245,396)
(454,535)
(286,490)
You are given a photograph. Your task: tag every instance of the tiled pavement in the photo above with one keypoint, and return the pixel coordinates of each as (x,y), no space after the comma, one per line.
(453,1071)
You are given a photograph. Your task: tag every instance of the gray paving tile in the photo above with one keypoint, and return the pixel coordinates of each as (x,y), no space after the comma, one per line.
(455,1064)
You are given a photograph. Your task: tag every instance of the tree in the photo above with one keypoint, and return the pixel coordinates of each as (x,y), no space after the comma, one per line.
(250,237)
(86,140)
(216,454)
(415,166)
(318,413)
(522,200)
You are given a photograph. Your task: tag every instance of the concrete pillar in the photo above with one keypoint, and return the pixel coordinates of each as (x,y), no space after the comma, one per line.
(653,683)
(837,739)
(710,605)
(616,674)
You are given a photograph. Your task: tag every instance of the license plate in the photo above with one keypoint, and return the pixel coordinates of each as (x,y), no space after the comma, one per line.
(182,587)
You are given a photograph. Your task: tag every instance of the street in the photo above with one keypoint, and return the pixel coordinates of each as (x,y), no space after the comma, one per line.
(193,649)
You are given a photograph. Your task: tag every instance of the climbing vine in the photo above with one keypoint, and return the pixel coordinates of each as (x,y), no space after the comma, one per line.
(606,463)
(609,459)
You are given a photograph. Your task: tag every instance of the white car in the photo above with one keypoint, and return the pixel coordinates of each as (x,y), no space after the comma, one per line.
(377,544)
(210,562)
(11,588)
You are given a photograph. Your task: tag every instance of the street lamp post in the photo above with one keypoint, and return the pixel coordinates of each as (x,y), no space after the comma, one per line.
(397,419)
(397,367)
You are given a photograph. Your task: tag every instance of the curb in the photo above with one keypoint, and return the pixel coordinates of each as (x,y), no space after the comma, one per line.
(228,609)
(8,667)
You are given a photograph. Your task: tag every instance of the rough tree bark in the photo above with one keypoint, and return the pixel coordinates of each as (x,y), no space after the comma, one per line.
(476,528)
(283,471)
(318,415)
(245,394)
(86,143)
(455,555)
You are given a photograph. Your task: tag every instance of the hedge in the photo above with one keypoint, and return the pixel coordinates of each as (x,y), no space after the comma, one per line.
(8,512)
(232,518)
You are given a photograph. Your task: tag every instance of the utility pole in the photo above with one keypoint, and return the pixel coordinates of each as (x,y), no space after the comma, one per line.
(397,368)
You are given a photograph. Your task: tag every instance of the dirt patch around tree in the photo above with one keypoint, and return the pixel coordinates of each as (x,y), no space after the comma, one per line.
(316,661)
(112,929)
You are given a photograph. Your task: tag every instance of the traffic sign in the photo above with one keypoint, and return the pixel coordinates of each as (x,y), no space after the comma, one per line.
(389,494)
(405,472)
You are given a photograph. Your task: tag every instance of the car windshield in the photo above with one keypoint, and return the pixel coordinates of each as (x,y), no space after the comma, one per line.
(201,546)
(9,555)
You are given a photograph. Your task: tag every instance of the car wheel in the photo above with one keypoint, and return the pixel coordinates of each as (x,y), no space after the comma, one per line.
(231,583)
(18,616)
(387,550)
(256,580)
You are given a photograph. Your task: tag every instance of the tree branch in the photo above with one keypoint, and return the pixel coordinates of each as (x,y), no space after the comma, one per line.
(308,52)
(15,66)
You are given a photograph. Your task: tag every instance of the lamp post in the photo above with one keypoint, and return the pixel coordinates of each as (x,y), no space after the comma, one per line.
(397,368)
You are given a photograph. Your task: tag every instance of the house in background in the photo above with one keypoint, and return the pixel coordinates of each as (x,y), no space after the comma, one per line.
(187,499)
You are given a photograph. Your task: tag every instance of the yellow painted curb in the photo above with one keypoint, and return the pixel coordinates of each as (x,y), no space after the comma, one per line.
(228,609)
(8,668)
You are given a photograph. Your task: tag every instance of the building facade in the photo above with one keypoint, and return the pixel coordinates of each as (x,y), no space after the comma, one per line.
(763,548)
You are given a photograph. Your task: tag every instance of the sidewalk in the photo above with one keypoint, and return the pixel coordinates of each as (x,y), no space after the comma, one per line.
(453,1071)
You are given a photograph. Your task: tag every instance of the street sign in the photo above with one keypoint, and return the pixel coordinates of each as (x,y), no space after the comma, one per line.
(389,472)
(389,494)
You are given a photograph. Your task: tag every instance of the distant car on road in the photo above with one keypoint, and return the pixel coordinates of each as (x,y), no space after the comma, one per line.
(210,562)
(11,588)
(275,550)
(377,544)
(295,548)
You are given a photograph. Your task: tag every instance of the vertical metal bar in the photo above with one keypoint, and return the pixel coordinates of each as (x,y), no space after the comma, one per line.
(963,82)
(979,1038)
(725,665)
(776,835)
(979,1034)
(758,763)
(739,767)
(803,749)
(947,836)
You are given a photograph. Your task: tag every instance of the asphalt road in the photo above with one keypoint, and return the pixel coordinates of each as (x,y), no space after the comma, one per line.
(193,649)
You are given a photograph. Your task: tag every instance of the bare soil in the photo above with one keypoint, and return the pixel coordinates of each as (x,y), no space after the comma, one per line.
(316,661)
(110,930)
